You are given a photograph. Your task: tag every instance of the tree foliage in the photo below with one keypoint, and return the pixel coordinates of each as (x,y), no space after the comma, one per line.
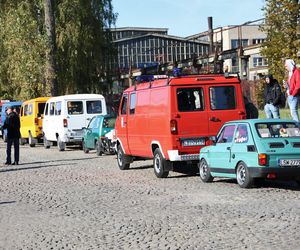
(282,26)
(83,46)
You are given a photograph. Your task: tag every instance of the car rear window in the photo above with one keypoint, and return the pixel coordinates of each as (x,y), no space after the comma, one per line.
(222,97)
(75,108)
(190,99)
(275,130)
(94,107)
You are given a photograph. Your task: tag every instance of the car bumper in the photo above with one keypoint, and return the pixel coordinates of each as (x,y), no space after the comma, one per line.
(281,173)
(175,156)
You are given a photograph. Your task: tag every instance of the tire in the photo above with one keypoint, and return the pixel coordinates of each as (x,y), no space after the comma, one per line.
(84,148)
(31,140)
(4,137)
(121,159)
(243,176)
(298,183)
(204,171)
(99,148)
(159,164)
(46,142)
(22,141)
(60,144)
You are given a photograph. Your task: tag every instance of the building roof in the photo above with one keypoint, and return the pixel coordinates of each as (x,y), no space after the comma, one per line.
(161,36)
(140,29)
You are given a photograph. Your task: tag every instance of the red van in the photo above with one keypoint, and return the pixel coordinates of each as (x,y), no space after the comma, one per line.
(169,120)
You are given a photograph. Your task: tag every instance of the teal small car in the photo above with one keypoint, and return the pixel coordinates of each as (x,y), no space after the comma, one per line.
(250,149)
(99,135)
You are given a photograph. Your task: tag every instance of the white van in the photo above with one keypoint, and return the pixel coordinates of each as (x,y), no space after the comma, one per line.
(65,116)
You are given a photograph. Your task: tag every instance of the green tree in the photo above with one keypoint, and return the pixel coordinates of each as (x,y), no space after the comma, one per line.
(23,49)
(84,44)
(282,26)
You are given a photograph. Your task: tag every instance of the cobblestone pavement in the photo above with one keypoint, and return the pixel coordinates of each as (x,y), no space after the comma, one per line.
(72,200)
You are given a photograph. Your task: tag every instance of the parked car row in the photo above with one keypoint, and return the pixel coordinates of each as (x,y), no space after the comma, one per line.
(175,121)
(171,120)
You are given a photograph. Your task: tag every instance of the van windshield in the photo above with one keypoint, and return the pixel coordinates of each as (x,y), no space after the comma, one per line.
(190,99)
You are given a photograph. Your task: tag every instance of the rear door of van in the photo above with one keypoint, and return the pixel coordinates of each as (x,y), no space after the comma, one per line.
(224,104)
(191,117)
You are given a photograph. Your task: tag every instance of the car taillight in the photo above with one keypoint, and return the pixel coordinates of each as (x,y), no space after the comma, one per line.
(65,121)
(173,127)
(262,159)
(36,121)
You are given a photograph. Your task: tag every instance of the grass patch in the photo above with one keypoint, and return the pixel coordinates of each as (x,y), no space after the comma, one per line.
(284,114)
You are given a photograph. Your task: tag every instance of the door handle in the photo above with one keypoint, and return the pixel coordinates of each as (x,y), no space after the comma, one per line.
(228,148)
(214,119)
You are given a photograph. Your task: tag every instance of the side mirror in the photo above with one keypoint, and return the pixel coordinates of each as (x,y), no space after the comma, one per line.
(83,128)
(213,139)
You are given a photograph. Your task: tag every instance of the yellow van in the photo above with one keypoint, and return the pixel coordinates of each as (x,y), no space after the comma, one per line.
(31,117)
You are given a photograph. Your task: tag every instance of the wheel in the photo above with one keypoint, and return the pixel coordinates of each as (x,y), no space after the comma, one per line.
(4,137)
(99,148)
(31,140)
(159,164)
(204,171)
(298,183)
(60,144)
(84,148)
(46,142)
(243,177)
(22,141)
(121,159)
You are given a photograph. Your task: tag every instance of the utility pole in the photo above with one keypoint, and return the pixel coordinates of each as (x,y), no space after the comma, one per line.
(51,72)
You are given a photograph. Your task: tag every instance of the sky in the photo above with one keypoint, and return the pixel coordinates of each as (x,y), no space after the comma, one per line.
(185,17)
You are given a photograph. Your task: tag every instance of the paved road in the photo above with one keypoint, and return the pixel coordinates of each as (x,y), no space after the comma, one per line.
(72,200)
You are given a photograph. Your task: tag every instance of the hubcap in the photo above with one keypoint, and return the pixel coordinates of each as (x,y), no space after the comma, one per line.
(157,163)
(241,176)
(120,157)
(203,170)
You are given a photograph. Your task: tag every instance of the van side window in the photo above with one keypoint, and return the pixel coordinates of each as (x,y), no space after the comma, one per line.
(94,107)
(124,105)
(52,108)
(222,97)
(58,108)
(226,135)
(41,107)
(46,109)
(132,103)
(26,110)
(75,108)
(190,99)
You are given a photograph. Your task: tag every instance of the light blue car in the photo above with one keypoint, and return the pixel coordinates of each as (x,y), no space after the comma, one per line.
(251,149)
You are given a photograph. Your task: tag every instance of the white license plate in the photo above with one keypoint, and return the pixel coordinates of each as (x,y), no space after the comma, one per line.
(290,162)
(193,142)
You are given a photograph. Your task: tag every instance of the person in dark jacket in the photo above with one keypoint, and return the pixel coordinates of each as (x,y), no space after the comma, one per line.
(12,124)
(272,94)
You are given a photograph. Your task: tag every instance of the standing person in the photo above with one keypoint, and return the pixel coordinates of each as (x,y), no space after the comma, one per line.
(272,94)
(12,124)
(293,88)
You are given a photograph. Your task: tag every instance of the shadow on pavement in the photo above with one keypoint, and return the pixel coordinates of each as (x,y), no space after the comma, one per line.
(39,162)
(261,183)
(7,169)
(7,202)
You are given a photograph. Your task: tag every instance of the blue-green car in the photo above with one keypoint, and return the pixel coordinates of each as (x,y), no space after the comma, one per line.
(251,149)
(99,135)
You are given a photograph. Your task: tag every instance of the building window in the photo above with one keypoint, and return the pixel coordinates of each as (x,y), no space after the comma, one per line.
(258,40)
(235,43)
(259,61)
